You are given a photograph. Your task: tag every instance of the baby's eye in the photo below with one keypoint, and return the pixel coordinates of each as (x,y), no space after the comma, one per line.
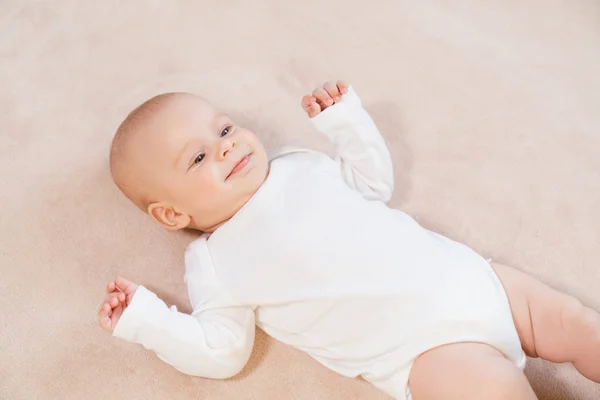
(226,131)
(198,158)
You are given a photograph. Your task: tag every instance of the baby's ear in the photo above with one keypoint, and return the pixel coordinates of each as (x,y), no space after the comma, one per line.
(165,215)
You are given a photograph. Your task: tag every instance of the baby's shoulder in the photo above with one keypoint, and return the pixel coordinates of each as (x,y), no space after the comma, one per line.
(298,153)
(300,160)
(196,252)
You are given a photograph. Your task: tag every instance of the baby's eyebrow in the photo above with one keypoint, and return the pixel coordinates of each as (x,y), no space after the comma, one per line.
(219,118)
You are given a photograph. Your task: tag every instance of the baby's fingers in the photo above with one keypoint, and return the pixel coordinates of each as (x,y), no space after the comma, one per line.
(309,104)
(116,314)
(333,91)
(315,110)
(323,98)
(111,287)
(112,301)
(125,285)
(104,317)
(111,310)
(342,87)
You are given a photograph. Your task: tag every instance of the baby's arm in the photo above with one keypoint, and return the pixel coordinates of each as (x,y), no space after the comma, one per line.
(215,341)
(365,161)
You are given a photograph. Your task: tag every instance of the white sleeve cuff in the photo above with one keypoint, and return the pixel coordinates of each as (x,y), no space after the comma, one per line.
(337,115)
(141,306)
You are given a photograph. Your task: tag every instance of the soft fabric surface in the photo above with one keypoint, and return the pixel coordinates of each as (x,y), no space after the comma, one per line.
(491,111)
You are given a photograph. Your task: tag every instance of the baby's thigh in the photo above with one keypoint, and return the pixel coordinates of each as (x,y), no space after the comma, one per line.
(520,288)
(467,371)
(558,320)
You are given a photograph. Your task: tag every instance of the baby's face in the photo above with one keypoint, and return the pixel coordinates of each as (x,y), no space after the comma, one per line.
(205,167)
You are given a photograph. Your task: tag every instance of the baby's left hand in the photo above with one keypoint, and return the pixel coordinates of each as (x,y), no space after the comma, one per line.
(324,97)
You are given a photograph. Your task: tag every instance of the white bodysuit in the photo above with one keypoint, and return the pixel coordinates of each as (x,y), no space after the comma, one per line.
(320,262)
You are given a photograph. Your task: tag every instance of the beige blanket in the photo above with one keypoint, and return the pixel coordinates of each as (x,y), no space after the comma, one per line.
(491,110)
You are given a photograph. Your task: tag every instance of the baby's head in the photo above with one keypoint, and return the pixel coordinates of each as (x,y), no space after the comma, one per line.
(185,163)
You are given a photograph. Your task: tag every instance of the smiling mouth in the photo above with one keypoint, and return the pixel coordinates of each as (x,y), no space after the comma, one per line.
(239,166)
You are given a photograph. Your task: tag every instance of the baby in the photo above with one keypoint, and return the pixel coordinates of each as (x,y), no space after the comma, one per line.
(304,246)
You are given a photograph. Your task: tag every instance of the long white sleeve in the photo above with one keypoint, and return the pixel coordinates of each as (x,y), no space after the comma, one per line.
(215,341)
(364,158)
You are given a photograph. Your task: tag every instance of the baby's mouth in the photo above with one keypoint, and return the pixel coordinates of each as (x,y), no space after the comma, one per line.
(239,166)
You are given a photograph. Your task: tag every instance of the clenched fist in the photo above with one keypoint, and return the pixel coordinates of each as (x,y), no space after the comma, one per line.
(324,97)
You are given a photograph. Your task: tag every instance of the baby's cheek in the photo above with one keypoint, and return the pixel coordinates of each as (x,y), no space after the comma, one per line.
(249,137)
(205,184)
(205,188)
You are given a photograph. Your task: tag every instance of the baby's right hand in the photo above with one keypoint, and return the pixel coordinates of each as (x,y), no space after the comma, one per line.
(119,295)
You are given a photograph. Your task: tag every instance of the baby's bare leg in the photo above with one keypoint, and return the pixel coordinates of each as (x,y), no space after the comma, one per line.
(552,325)
(467,371)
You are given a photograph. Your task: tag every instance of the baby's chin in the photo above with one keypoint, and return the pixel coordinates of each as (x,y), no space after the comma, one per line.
(229,200)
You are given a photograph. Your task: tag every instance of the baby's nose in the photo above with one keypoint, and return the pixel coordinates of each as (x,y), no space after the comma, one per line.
(226,147)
